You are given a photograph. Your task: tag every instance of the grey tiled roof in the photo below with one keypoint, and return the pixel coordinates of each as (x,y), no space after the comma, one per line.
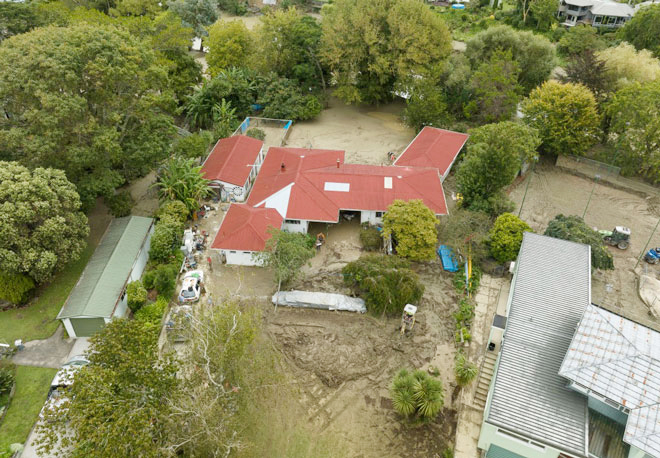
(618,359)
(550,292)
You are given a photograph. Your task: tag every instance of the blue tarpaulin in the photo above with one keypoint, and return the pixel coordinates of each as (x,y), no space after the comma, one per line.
(448,259)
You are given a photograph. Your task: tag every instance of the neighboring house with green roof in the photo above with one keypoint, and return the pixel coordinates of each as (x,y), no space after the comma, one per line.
(100,294)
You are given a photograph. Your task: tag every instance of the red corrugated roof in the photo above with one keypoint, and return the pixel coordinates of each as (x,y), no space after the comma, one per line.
(245,228)
(314,173)
(433,147)
(231,159)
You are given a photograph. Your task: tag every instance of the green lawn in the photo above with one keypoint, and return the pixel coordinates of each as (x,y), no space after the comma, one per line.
(32,385)
(37,319)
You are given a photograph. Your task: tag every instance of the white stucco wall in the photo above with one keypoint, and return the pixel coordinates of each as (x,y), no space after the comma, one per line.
(240,258)
(279,201)
(230,190)
(370,217)
(290,226)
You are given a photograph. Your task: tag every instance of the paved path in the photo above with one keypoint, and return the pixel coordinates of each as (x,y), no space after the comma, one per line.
(51,352)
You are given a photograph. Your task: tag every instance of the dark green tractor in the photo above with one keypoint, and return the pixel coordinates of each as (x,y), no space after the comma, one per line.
(619,237)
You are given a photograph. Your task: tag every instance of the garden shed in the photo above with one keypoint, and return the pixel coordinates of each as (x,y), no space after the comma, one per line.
(100,293)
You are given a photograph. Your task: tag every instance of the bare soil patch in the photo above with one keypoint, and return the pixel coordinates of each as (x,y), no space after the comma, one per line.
(366,133)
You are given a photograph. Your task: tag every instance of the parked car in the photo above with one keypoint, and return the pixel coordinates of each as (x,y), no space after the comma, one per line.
(62,380)
(191,287)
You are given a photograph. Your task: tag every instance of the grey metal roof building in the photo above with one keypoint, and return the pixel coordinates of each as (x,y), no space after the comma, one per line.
(618,361)
(122,253)
(550,291)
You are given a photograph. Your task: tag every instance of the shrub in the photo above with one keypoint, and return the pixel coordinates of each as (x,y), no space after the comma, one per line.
(573,228)
(506,236)
(417,395)
(193,146)
(464,370)
(120,204)
(15,288)
(459,280)
(411,225)
(166,238)
(136,295)
(7,371)
(465,311)
(259,134)
(386,283)
(465,333)
(370,238)
(175,209)
(162,278)
(153,313)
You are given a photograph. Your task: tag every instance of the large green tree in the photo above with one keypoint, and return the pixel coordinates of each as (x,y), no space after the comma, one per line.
(369,45)
(288,43)
(16,18)
(495,88)
(411,225)
(230,45)
(590,71)
(535,54)
(643,30)
(544,12)
(578,39)
(197,14)
(495,154)
(426,106)
(634,132)
(41,225)
(574,228)
(565,115)
(117,405)
(626,65)
(85,99)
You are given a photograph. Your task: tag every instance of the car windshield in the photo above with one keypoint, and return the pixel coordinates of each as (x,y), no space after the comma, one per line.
(188,293)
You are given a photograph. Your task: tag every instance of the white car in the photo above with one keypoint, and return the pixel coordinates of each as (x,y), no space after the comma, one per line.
(191,287)
(62,380)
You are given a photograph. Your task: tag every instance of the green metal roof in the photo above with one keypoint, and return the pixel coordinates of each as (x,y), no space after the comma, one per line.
(106,273)
(498,452)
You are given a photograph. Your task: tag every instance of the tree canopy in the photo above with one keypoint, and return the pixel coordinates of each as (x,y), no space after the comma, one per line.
(286,253)
(565,115)
(411,225)
(84,99)
(369,45)
(574,228)
(117,405)
(466,232)
(643,29)
(230,45)
(579,39)
(534,54)
(506,236)
(182,180)
(634,131)
(196,14)
(590,71)
(41,225)
(496,89)
(494,156)
(626,65)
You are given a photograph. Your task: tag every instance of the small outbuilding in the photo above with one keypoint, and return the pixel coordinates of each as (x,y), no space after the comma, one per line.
(100,294)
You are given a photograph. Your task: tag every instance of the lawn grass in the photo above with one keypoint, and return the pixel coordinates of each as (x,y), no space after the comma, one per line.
(32,385)
(37,319)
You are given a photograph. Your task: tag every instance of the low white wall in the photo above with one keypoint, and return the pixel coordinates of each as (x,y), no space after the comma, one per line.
(291,226)
(240,258)
(370,217)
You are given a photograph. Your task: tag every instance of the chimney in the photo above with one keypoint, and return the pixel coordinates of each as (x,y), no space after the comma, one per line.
(282,167)
(338,162)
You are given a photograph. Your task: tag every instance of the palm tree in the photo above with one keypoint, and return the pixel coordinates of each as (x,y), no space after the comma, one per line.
(417,394)
(464,370)
(182,180)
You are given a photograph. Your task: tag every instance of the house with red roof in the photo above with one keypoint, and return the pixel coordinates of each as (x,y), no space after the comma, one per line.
(433,147)
(244,231)
(233,165)
(297,186)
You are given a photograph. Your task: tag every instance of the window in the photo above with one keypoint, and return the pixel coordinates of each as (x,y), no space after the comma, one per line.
(233,252)
(247,252)
(292,221)
(379,214)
